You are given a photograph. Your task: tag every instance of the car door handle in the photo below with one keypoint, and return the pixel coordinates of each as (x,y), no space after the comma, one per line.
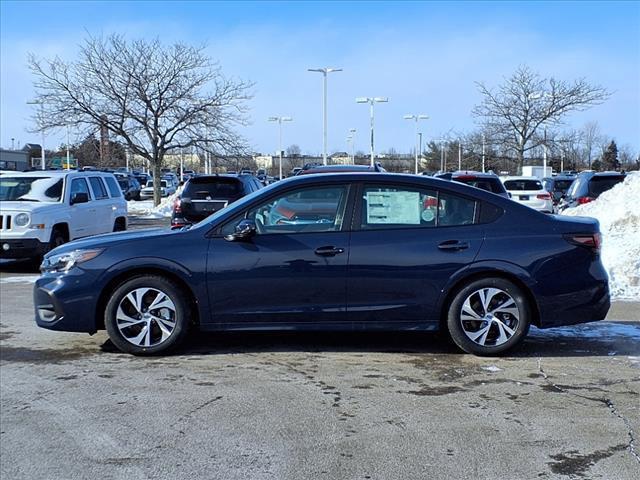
(328,251)
(453,245)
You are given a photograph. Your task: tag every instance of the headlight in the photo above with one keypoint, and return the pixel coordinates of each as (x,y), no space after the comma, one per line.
(21,220)
(63,262)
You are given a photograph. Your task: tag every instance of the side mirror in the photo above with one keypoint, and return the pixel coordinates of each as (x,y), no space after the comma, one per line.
(79,197)
(245,229)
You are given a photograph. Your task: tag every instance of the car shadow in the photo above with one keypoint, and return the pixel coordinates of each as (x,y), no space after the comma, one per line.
(19,266)
(598,339)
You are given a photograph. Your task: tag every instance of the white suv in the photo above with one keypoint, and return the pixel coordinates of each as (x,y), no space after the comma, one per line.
(530,192)
(40,210)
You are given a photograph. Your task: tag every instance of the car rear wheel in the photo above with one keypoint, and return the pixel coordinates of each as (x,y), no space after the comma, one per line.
(147,315)
(489,316)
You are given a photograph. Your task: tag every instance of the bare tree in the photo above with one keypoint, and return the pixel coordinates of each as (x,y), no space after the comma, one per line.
(293,151)
(517,110)
(591,137)
(156,99)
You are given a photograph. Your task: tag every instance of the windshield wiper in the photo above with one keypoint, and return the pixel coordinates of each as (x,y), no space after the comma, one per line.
(24,200)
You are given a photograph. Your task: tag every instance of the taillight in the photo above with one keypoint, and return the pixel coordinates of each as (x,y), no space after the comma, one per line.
(591,240)
(177,206)
(544,196)
(583,200)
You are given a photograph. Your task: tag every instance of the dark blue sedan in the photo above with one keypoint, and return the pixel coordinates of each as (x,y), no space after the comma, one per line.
(352,251)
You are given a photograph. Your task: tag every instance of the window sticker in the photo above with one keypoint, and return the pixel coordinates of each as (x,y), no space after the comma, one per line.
(393,208)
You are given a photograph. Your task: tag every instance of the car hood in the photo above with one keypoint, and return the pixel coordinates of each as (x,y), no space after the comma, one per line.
(112,239)
(28,206)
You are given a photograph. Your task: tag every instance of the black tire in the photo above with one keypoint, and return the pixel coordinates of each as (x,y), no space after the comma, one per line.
(493,343)
(181,317)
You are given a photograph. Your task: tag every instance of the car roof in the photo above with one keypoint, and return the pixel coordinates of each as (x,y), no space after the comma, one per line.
(472,173)
(60,173)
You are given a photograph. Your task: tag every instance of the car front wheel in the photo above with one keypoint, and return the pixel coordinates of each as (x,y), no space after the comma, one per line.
(147,315)
(489,316)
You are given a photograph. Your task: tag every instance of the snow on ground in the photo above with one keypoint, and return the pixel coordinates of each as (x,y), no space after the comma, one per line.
(20,279)
(618,211)
(145,208)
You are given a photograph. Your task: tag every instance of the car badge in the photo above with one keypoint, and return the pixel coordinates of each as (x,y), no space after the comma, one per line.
(208,197)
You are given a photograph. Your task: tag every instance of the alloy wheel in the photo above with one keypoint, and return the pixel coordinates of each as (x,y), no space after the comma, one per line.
(146,317)
(489,317)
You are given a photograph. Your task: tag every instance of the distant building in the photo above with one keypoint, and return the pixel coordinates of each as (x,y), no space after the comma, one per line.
(17,160)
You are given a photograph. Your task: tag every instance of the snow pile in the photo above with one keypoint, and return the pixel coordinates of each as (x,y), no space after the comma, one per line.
(618,211)
(145,208)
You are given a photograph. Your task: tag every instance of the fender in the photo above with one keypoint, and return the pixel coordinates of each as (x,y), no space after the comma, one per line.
(487,267)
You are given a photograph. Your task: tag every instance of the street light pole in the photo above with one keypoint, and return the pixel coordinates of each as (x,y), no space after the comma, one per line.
(352,135)
(325,71)
(371,101)
(43,159)
(483,142)
(459,156)
(280,120)
(416,118)
(68,155)
(442,163)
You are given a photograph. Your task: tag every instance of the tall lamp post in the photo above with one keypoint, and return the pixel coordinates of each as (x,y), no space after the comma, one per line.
(416,118)
(325,71)
(43,162)
(371,101)
(352,140)
(280,120)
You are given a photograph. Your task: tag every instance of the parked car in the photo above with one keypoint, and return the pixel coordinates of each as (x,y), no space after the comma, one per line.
(557,186)
(340,169)
(261,175)
(588,186)
(207,194)
(166,188)
(530,192)
(41,210)
(142,178)
(484,180)
(129,186)
(396,252)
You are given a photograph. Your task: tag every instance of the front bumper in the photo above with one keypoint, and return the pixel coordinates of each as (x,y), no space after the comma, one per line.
(66,301)
(22,248)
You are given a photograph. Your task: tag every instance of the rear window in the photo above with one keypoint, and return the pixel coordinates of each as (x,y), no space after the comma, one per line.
(493,185)
(522,185)
(98,188)
(598,185)
(223,188)
(561,185)
(113,187)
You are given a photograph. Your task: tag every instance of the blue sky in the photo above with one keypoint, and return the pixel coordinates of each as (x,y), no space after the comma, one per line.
(424,56)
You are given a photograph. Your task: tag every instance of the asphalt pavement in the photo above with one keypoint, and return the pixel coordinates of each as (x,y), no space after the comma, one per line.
(315,406)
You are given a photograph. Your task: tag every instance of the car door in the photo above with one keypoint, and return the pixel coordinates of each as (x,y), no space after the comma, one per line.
(81,216)
(406,244)
(102,208)
(293,270)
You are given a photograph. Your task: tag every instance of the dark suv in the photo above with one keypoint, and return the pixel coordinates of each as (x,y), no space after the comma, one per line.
(206,194)
(588,186)
(486,181)
(558,186)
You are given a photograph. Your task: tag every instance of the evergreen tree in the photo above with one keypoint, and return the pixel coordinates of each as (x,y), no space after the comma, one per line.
(610,157)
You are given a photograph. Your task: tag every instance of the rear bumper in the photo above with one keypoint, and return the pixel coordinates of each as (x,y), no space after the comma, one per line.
(23,248)
(589,302)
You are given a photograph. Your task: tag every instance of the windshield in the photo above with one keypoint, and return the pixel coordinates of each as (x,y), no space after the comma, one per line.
(31,189)
(163,184)
(523,185)
(489,184)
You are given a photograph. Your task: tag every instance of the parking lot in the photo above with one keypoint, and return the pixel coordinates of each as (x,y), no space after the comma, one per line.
(290,405)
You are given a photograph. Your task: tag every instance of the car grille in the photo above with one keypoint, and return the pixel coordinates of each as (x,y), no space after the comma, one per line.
(5,222)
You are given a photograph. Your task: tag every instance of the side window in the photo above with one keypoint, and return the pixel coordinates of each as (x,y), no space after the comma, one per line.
(114,190)
(98,188)
(455,210)
(308,210)
(79,185)
(398,207)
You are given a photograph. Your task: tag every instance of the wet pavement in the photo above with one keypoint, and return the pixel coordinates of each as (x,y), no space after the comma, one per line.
(332,405)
